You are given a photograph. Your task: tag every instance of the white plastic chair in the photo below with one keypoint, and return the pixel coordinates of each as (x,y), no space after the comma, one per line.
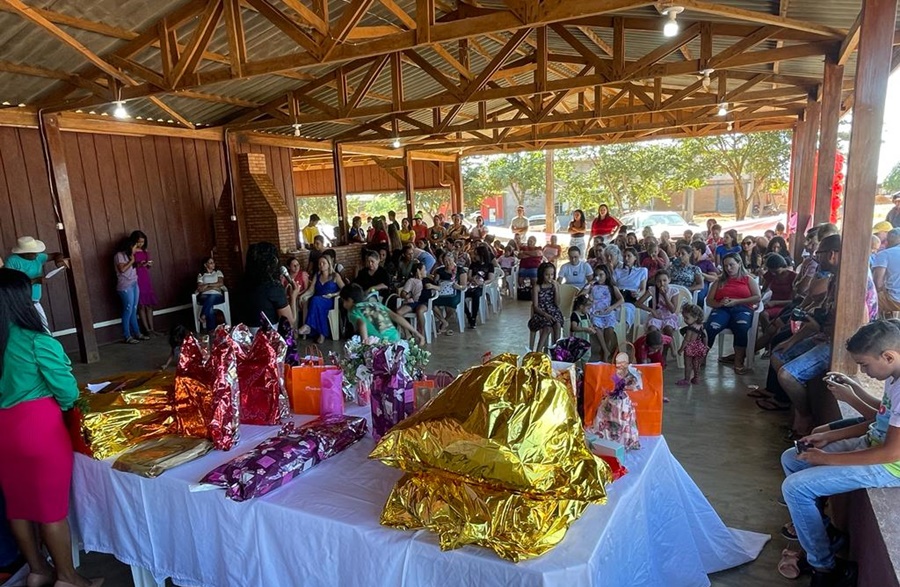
(492,296)
(512,281)
(429,328)
(225,307)
(334,319)
(567,295)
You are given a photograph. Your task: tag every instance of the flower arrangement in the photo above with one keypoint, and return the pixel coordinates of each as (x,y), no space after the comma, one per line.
(359,355)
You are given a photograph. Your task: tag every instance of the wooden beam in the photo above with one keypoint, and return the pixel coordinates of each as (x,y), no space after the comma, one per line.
(806,179)
(435,73)
(540,71)
(396,82)
(828,139)
(409,185)
(851,41)
(595,39)
(78,23)
(286,25)
(454,63)
(237,44)
(873,63)
(618,46)
(366,84)
(424,20)
(340,189)
(762,18)
(350,17)
(157,101)
(720,60)
(664,50)
(394,8)
(190,58)
(29,13)
(308,15)
(71,244)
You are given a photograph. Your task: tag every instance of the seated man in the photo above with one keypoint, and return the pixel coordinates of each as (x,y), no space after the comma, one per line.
(859,456)
(807,354)
(576,272)
(372,318)
(886,273)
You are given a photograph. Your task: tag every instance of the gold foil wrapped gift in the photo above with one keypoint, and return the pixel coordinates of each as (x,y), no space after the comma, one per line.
(154,457)
(497,459)
(115,421)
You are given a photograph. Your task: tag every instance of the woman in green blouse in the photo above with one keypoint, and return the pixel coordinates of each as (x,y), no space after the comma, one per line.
(36,457)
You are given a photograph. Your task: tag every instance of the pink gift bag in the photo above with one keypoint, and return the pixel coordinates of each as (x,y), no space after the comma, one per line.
(332,398)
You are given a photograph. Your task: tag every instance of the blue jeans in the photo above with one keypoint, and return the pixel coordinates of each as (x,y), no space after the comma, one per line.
(808,359)
(805,484)
(209,302)
(129,312)
(736,318)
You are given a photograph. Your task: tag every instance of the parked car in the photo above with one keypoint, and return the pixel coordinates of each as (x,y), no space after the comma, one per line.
(659,221)
(538,223)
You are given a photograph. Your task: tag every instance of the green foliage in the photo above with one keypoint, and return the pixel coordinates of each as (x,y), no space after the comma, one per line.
(763,158)
(478,183)
(892,181)
(523,173)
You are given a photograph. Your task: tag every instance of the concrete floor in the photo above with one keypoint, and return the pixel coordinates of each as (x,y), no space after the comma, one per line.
(726,444)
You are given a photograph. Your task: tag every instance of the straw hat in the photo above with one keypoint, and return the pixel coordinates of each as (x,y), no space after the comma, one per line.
(883,226)
(28,244)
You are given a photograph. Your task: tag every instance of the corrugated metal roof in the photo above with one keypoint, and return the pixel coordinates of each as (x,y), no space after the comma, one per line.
(26,44)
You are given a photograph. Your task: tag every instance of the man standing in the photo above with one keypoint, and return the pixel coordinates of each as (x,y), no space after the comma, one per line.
(392,220)
(893,216)
(28,256)
(576,272)
(311,231)
(520,223)
(886,273)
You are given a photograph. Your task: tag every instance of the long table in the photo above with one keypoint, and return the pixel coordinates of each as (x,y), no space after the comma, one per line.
(322,529)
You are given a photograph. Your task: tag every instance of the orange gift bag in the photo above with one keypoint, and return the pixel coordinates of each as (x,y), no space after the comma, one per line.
(304,382)
(648,401)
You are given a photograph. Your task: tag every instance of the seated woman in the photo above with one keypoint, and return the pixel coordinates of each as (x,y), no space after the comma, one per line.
(452,281)
(262,294)
(605,301)
(661,301)
(373,277)
(778,279)
(414,295)
(379,236)
(295,281)
(407,234)
(457,230)
(209,293)
(729,245)
(732,298)
(530,258)
(357,232)
(325,287)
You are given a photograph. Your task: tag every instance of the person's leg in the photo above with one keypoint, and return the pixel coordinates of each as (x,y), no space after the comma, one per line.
(612,342)
(57,538)
(133,295)
(26,537)
(542,340)
(209,305)
(716,323)
(741,320)
(126,323)
(795,374)
(803,489)
(420,318)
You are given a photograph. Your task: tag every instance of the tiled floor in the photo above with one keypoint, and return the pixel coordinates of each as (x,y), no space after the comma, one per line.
(728,446)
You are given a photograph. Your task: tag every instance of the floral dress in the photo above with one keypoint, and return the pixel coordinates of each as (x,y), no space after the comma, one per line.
(601,300)
(547,303)
(666,318)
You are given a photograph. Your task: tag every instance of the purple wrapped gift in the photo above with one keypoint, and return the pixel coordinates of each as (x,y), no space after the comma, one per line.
(279,459)
(389,389)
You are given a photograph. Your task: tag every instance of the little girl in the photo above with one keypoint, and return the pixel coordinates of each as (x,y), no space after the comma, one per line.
(581,326)
(694,344)
(663,313)
(546,316)
(605,300)
(507,262)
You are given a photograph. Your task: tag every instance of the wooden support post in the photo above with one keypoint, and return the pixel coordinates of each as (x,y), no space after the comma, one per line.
(831,114)
(458,203)
(410,184)
(805,177)
(873,66)
(796,139)
(340,188)
(71,245)
(549,196)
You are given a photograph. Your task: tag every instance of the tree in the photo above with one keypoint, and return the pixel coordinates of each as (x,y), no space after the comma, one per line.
(626,175)
(892,181)
(522,173)
(762,159)
(478,182)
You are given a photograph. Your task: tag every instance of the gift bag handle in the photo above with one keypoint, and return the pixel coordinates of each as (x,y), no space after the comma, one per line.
(632,355)
(313,355)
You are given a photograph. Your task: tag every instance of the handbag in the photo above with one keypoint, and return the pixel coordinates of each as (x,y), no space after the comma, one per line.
(445,288)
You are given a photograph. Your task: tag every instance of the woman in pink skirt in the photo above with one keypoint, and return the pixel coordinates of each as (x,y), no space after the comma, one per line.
(146,296)
(36,457)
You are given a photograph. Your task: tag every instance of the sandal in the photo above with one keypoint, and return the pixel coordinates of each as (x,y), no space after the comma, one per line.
(683,382)
(742,370)
(789,565)
(760,394)
(449,332)
(695,380)
(727,359)
(770,405)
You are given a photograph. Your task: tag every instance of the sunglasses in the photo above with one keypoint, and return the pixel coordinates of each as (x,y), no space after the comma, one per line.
(747,244)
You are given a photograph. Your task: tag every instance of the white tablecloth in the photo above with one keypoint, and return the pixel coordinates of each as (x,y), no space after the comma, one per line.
(657,529)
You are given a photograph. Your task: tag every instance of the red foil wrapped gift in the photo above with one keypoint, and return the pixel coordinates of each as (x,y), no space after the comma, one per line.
(260,368)
(206,398)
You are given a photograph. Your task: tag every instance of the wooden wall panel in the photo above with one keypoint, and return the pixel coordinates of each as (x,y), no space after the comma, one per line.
(365,179)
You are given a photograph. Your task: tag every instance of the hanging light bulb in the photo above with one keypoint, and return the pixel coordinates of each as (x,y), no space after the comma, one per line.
(730,126)
(120,111)
(706,80)
(723,109)
(671,27)
(296,126)
(396,143)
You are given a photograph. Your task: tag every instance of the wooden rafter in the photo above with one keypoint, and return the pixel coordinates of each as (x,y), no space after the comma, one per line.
(350,17)
(308,15)
(850,42)
(190,57)
(237,44)
(763,18)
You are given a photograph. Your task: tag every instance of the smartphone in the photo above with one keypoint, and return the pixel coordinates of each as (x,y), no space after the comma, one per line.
(801,446)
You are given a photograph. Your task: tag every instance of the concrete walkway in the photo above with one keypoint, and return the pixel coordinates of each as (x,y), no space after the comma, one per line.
(726,444)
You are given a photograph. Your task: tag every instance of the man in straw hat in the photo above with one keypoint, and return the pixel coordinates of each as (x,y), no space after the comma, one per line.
(28,256)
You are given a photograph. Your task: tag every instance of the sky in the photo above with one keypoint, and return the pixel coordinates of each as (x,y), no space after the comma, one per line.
(890,147)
